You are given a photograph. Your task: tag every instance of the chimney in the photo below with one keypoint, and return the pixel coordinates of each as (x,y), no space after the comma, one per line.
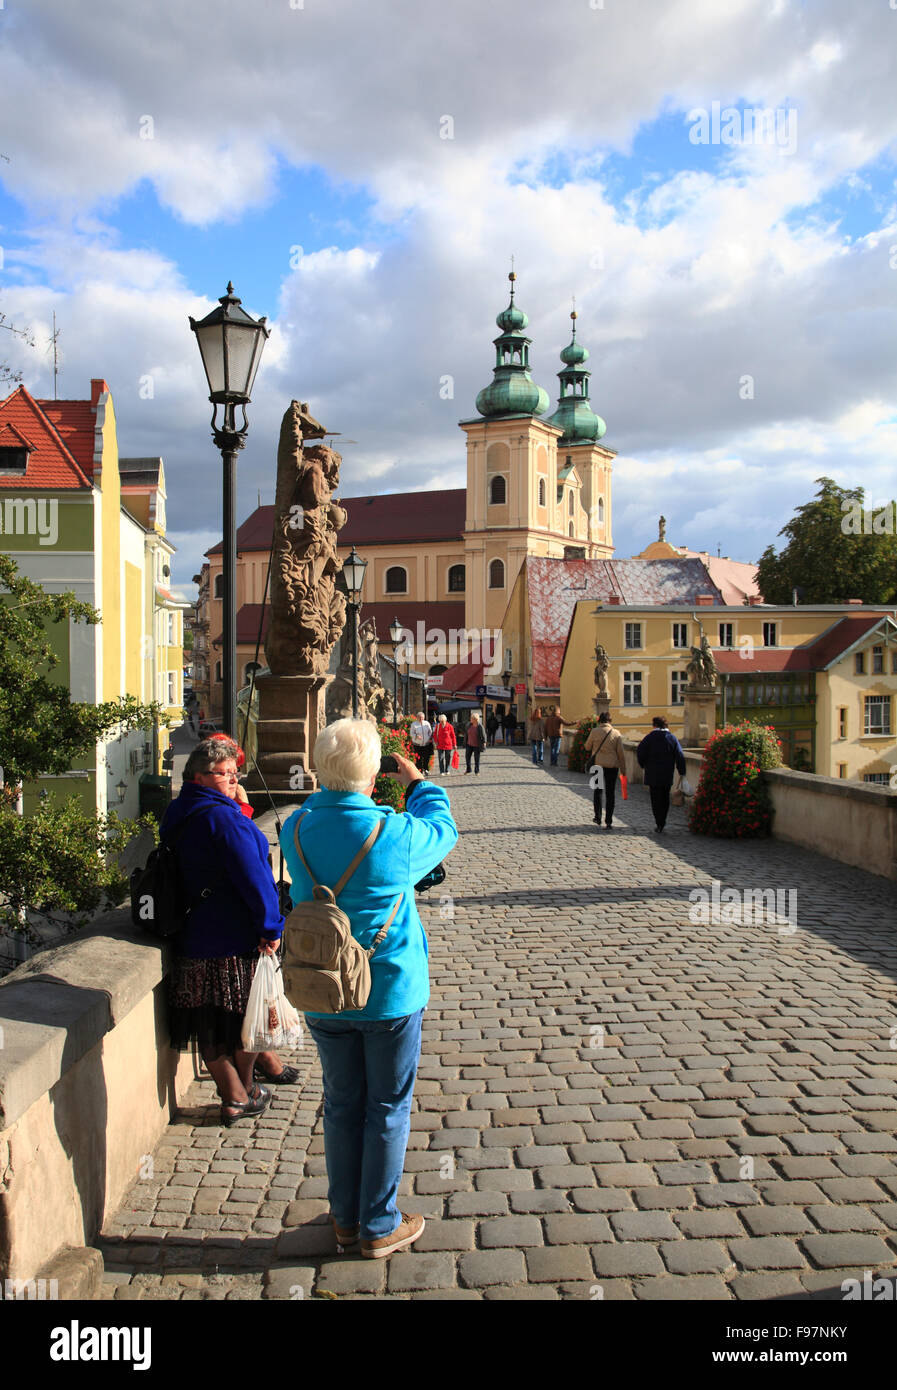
(704,600)
(855,601)
(614,600)
(753,600)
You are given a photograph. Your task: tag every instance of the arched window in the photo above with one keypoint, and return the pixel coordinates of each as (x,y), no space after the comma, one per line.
(600,510)
(497,490)
(456,579)
(541,492)
(496,574)
(396,580)
(572,532)
(571,505)
(219,586)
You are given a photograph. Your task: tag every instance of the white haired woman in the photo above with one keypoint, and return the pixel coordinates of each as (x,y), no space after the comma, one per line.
(446,743)
(369,1056)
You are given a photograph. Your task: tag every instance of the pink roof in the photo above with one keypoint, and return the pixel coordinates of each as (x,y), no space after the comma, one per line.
(554,588)
(736,579)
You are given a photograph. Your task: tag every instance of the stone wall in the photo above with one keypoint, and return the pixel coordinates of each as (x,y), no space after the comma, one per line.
(87,1085)
(849,821)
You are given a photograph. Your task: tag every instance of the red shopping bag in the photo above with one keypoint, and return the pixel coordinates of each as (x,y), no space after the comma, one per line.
(624,786)
(456,759)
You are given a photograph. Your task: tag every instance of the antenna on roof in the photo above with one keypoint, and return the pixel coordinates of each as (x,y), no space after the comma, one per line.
(55,341)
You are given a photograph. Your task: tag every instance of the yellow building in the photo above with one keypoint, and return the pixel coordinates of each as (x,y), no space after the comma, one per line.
(825,677)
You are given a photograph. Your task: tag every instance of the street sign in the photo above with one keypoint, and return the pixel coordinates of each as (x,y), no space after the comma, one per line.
(519,689)
(493,692)
(434,680)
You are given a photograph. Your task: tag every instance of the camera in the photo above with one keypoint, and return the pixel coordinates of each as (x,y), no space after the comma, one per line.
(388,764)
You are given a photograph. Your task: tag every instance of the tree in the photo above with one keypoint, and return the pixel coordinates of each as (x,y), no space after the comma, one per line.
(63,858)
(836,551)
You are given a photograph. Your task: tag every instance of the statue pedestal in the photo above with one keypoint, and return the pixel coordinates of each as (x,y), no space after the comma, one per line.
(291,715)
(602,705)
(700,717)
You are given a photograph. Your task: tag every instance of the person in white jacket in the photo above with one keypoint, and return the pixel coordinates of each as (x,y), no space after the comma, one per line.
(422,741)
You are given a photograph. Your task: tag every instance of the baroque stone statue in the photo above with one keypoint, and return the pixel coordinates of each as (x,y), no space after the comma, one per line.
(662,529)
(371,687)
(702,667)
(601,668)
(307,611)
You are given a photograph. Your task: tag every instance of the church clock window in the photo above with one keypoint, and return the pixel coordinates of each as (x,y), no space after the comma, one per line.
(456,579)
(496,574)
(396,580)
(497,490)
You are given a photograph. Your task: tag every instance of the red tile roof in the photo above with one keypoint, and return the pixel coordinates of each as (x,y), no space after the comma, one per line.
(811,656)
(554,587)
(51,463)
(395,518)
(438,617)
(462,679)
(75,422)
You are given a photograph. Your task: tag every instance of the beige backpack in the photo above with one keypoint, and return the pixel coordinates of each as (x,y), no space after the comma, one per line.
(325,970)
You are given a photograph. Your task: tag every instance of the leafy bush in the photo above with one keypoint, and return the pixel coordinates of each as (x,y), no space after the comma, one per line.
(62,860)
(578,758)
(732,799)
(387,791)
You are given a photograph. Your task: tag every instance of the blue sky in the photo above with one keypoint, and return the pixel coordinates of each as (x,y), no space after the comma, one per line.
(695,267)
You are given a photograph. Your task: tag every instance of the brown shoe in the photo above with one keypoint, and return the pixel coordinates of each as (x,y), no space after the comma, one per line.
(406,1233)
(346,1237)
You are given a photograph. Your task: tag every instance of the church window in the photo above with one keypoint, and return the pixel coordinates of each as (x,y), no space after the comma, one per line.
(572,531)
(456,579)
(219,586)
(397,580)
(496,574)
(542,492)
(571,505)
(497,490)
(601,511)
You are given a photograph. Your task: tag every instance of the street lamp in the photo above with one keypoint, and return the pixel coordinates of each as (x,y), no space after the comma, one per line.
(396,633)
(353,573)
(230,344)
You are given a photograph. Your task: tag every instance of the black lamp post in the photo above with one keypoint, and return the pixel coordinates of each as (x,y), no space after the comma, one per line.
(353,573)
(396,632)
(230,344)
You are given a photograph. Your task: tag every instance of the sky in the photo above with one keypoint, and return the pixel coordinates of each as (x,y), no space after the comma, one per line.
(364,170)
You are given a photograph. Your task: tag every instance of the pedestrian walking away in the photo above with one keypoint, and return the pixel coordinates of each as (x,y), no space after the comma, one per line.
(508,724)
(493,724)
(535,732)
(660,754)
(606,758)
(554,727)
(369,1056)
(422,741)
(446,743)
(474,743)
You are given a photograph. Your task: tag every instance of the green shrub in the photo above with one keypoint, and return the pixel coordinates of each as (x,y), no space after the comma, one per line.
(732,799)
(578,758)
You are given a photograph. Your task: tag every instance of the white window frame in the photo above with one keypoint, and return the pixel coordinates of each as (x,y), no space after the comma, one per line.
(680,646)
(770,628)
(636,631)
(678,682)
(631,679)
(730,628)
(883,702)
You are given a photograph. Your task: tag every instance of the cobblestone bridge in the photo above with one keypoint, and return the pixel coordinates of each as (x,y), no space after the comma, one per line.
(613,1100)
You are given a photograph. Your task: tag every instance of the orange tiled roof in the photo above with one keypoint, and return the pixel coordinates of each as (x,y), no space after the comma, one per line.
(51,461)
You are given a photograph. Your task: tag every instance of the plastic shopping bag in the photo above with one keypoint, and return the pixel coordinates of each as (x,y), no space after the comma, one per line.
(624,786)
(456,759)
(686,787)
(271,1021)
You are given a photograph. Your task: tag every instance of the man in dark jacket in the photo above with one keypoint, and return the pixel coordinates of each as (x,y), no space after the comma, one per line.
(660,754)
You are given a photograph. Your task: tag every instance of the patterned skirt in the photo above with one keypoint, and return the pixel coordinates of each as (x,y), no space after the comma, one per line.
(207,1000)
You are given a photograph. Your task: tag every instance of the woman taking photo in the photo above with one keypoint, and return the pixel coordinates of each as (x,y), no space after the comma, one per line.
(234,915)
(369,1056)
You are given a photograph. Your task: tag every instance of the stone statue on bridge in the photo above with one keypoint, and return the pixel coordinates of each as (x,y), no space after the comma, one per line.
(702,667)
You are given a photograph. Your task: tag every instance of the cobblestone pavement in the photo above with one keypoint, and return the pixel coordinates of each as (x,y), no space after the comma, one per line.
(613,1101)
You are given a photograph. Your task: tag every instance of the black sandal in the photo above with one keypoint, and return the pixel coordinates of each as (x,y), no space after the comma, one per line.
(259,1100)
(288,1077)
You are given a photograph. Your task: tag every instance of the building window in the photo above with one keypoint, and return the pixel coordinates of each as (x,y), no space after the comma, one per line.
(859,663)
(542,497)
(572,532)
(842,769)
(842,721)
(172,630)
(769,635)
(725,634)
(456,579)
(13,460)
(172,691)
(882,779)
(397,580)
(496,574)
(509,659)
(878,714)
(878,661)
(632,687)
(600,511)
(218,671)
(633,636)
(680,634)
(894,663)
(497,491)
(219,586)
(571,504)
(679,680)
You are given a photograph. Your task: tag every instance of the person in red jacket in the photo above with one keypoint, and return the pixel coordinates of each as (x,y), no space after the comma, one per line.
(446,743)
(268,1066)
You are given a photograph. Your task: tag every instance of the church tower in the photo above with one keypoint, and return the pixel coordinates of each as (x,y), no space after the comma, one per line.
(534,486)
(584,464)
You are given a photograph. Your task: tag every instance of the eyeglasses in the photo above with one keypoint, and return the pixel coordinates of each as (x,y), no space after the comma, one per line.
(228,776)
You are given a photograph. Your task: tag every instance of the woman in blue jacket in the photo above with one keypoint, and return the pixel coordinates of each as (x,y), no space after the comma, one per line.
(660,754)
(369,1056)
(234,915)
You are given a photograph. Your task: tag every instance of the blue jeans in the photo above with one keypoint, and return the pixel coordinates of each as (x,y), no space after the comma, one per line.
(555,746)
(538,749)
(369,1070)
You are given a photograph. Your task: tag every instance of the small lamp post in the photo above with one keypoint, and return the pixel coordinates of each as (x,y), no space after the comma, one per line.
(122,789)
(230,344)
(396,632)
(353,572)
